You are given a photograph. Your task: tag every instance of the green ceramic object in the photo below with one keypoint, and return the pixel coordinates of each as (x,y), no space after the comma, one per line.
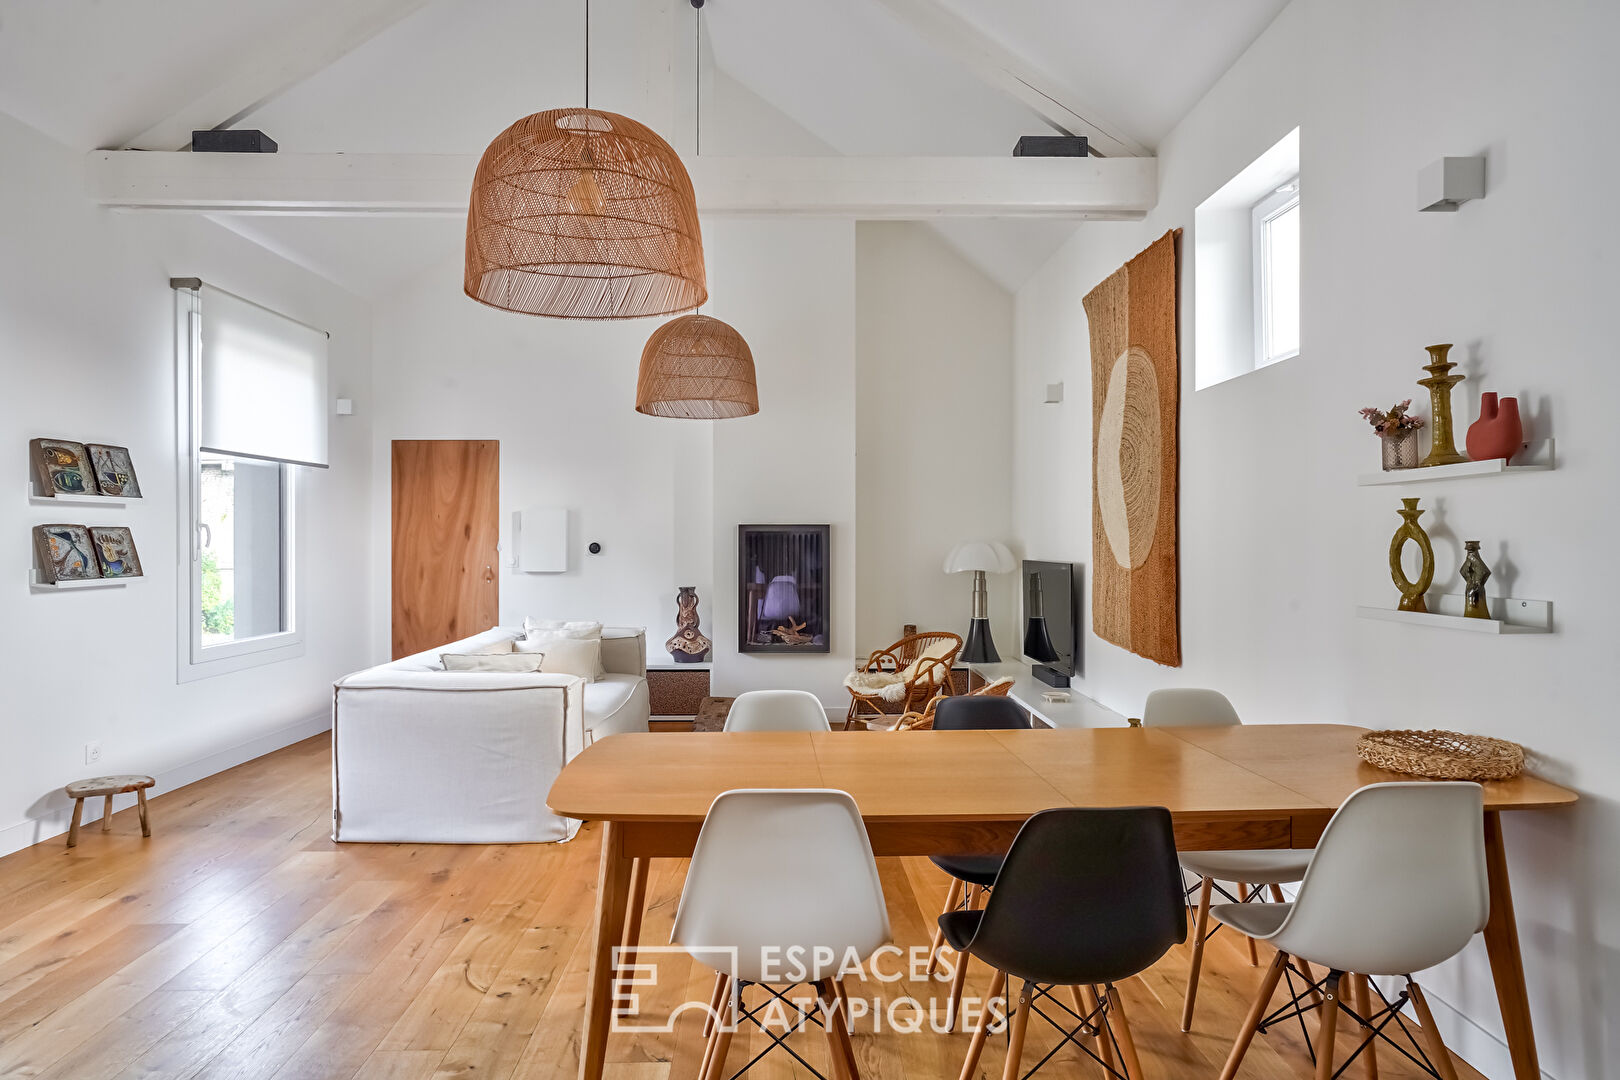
(1411,591)
(1442,442)
(1474,574)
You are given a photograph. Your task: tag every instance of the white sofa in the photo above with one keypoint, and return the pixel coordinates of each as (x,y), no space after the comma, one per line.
(423,755)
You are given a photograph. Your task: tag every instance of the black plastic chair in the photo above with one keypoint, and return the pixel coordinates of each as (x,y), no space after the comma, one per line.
(1085,898)
(971,875)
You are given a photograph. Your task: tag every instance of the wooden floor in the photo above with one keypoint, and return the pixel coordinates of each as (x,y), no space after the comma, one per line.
(239,941)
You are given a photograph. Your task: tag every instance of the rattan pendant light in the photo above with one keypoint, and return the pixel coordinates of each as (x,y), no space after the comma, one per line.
(578,213)
(696,368)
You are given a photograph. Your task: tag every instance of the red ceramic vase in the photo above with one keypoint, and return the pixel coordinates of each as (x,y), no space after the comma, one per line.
(1497,433)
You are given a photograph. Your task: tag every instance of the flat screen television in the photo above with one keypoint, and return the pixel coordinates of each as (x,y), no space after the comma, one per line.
(1051,598)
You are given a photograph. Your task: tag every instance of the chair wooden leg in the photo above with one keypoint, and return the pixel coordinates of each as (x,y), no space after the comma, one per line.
(1197,963)
(975,899)
(1304,968)
(722,983)
(953,896)
(140,802)
(1329,1027)
(843,1001)
(1244,888)
(1257,1012)
(632,925)
(1369,1040)
(1438,1054)
(833,1026)
(1085,1003)
(1120,1025)
(1015,1041)
(73,829)
(970,1066)
(714,1064)
(106,815)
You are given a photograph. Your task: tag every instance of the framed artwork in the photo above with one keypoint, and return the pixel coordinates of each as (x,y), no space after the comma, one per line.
(115,551)
(66,553)
(114,473)
(62,467)
(784,588)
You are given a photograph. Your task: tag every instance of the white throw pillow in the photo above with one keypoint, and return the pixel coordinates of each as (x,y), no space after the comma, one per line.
(494,648)
(510,663)
(573,656)
(524,645)
(578,628)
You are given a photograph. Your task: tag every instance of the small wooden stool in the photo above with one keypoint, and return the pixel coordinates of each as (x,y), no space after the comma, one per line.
(107,786)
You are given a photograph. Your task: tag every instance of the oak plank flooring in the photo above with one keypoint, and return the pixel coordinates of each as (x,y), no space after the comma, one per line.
(239,941)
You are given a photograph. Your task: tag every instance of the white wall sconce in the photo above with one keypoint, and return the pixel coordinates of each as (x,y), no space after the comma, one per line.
(1054,393)
(1450,182)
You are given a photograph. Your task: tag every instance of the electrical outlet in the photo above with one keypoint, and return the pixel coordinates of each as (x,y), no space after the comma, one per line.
(92,752)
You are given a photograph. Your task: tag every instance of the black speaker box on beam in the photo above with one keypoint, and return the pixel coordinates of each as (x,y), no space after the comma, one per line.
(250,141)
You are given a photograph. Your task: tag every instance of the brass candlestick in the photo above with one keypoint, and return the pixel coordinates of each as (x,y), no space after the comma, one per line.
(1442,444)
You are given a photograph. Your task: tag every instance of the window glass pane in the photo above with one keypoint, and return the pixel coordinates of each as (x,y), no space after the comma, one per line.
(1282,284)
(240,519)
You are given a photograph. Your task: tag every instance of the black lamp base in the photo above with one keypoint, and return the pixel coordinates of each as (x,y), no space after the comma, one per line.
(979,648)
(1048,675)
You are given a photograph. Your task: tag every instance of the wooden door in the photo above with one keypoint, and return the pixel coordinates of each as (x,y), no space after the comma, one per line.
(446,526)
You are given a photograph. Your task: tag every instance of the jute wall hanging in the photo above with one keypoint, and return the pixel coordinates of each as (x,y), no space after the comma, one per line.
(1135,397)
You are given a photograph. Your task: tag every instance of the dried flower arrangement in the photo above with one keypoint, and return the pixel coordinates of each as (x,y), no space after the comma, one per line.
(1397,421)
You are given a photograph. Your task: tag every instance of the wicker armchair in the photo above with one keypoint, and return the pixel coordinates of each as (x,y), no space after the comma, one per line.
(907,674)
(924,721)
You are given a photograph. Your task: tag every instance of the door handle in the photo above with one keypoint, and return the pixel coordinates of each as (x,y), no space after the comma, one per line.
(489,574)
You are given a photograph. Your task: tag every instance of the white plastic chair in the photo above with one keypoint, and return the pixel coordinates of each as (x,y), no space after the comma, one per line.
(781,878)
(1190,707)
(1397,885)
(777,710)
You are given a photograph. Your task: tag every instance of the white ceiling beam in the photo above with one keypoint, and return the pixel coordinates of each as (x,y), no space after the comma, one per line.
(275,63)
(902,188)
(1058,105)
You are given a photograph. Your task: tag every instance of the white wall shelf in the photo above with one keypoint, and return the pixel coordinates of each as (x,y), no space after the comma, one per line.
(37,499)
(1510,616)
(1535,457)
(38,584)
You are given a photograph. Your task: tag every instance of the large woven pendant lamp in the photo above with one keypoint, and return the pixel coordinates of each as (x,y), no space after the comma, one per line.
(578,213)
(696,368)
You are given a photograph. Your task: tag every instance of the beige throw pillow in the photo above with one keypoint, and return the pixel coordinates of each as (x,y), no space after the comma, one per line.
(510,662)
(573,656)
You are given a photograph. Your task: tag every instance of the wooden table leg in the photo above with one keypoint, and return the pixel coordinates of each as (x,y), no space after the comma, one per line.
(106,815)
(612,893)
(1507,964)
(73,829)
(140,801)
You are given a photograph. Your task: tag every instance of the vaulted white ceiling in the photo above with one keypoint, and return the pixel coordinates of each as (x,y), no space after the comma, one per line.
(852,77)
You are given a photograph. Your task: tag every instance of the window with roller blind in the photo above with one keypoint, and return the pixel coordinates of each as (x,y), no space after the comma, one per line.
(253,417)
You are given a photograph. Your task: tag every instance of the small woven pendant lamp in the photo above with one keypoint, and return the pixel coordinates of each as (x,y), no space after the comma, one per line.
(696,368)
(578,213)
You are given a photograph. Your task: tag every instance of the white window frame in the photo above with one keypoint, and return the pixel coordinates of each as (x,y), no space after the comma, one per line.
(194,659)
(1268,209)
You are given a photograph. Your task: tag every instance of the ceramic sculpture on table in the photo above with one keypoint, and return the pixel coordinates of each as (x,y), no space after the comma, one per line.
(688,646)
(1411,591)
(1498,433)
(1442,444)
(1474,574)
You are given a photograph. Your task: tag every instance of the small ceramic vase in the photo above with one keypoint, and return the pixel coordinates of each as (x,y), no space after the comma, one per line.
(1442,448)
(1411,591)
(1474,574)
(1400,450)
(1498,433)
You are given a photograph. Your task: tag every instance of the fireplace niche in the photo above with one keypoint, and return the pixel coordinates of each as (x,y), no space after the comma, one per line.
(783,588)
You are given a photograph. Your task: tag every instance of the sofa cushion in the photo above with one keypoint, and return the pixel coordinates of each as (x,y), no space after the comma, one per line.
(624,651)
(428,660)
(615,703)
(572,656)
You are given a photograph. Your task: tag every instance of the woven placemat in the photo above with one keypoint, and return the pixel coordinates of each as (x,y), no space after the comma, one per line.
(1442,755)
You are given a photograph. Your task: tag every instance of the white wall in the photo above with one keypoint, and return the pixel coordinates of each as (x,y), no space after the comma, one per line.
(87,339)
(933,447)
(1278,545)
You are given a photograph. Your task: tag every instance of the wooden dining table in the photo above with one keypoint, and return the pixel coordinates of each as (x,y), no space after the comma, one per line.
(941,792)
